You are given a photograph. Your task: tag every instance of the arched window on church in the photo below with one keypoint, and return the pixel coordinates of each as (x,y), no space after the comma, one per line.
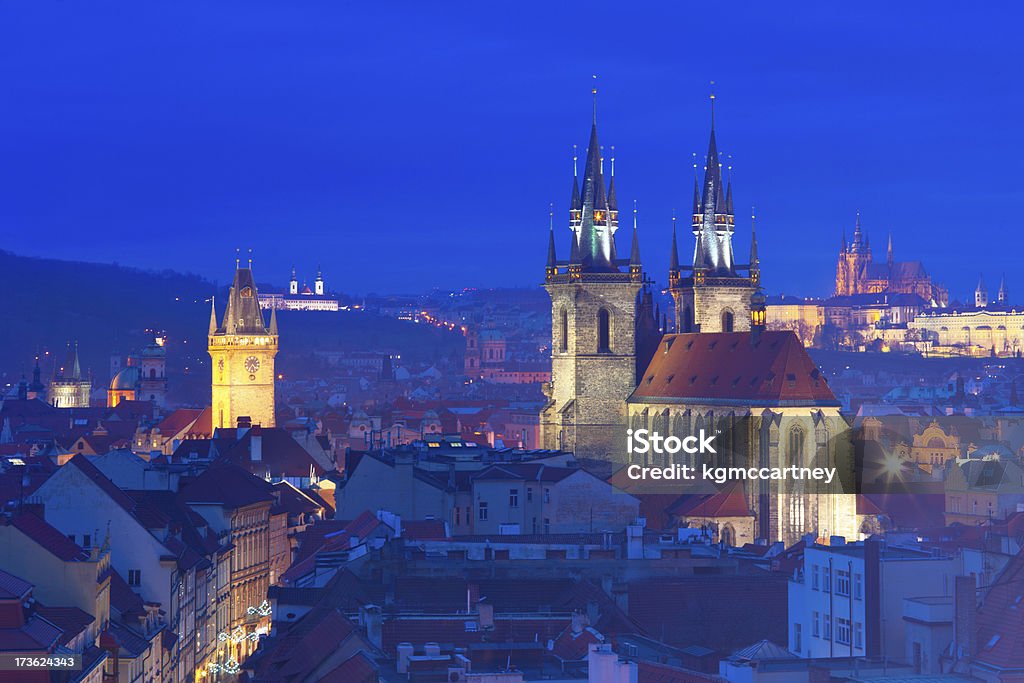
(727,321)
(604,331)
(795,448)
(563,331)
(686,324)
(152,373)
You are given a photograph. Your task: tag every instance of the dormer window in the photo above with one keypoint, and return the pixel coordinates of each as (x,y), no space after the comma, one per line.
(247,292)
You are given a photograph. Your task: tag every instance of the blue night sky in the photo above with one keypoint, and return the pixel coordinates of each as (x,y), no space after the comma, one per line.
(411,145)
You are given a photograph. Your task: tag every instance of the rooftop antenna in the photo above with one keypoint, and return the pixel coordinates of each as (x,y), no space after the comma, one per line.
(575,156)
(613,160)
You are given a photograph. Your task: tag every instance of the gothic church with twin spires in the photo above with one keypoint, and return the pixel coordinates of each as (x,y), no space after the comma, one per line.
(613,367)
(604,325)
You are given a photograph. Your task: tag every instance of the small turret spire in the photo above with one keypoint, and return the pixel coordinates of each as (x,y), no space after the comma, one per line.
(1003,296)
(673,265)
(888,251)
(613,203)
(755,263)
(552,263)
(273,320)
(634,254)
(213,315)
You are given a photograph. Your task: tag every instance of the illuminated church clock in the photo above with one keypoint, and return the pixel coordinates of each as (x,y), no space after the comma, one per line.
(252,364)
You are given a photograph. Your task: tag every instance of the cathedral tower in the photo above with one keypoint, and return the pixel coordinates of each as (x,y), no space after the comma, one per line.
(712,295)
(242,348)
(594,298)
(854,262)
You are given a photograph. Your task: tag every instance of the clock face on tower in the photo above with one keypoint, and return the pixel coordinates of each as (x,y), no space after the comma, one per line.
(252,364)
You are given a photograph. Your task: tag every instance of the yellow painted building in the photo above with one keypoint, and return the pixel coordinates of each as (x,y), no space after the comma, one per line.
(243,348)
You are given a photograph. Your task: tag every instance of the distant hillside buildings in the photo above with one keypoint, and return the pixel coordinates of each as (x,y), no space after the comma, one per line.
(300,299)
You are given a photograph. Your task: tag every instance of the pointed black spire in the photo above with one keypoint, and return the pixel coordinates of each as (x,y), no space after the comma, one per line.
(552,264)
(574,202)
(634,254)
(696,197)
(728,200)
(755,263)
(842,245)
(613,203)
(673,265)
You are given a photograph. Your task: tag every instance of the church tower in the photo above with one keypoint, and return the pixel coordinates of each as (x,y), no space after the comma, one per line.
(594,298)
(854,259)
(713,295)
(242,348)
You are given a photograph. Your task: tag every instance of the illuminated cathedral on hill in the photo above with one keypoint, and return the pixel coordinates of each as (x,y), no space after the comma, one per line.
(858,273)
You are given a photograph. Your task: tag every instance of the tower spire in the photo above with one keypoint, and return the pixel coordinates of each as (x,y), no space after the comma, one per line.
(552,263)
(634,254)
(596,226)
(888,251)
(273,320)
(712,98)
(593,91)
(673,264)
(755,263)
(213,315)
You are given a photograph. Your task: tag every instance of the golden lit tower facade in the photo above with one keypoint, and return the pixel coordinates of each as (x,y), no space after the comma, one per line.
(713,295)
(243,348)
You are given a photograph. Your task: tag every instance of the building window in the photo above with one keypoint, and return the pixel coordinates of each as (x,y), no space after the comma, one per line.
(547,525)
(604,331)
(826,579)
(815,628)
(842,582)
(513,498)
(529,494)
(457,511)
(482,513)
(843,631)
(814,577)
(563,331)
(134,577)
(858,587)
(547,495)
(797,638)
(858,635)
(727,321)
(826,626)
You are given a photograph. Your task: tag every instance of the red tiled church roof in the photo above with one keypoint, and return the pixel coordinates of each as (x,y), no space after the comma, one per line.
(731,367)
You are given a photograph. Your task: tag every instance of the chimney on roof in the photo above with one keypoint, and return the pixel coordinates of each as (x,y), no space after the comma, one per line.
(371,618)
(256,445)
(965,606)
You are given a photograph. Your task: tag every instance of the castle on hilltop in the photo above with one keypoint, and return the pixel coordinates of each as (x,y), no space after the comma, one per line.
(858,273)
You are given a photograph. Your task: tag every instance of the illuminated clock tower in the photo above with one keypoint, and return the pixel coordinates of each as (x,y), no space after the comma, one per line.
(242,348)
